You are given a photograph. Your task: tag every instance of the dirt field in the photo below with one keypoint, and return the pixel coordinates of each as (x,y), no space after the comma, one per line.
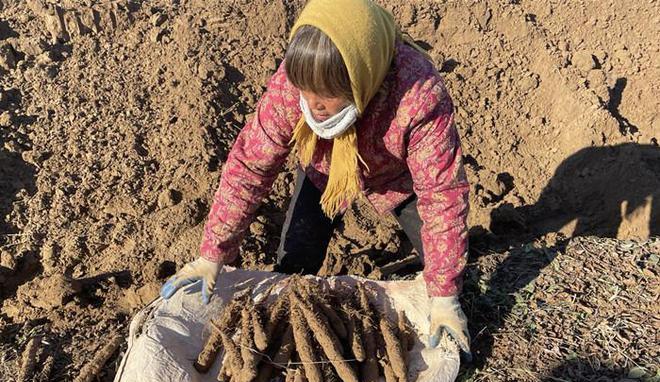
(116,117)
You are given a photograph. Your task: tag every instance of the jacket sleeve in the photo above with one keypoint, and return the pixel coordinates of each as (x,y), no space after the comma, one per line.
(440,183)
(252,165)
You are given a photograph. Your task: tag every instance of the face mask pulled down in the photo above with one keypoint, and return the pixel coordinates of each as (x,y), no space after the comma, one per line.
(333,126)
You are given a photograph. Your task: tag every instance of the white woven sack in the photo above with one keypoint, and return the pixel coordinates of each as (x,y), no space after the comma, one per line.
(166,336)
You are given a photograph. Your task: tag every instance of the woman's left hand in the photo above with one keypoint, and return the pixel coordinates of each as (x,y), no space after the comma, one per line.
(200,269)
(447,314)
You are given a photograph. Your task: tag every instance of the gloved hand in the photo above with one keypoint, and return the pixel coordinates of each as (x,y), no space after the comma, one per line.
(446,314)
(200,269)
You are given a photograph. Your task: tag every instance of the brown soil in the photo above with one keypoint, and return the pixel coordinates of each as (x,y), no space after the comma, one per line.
(115,117)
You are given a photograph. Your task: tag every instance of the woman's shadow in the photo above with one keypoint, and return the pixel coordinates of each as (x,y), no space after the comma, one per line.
(17,185)
(611,191)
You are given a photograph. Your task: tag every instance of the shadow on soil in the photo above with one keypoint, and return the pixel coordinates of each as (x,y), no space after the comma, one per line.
(584,370)
(597,189)
(17,184)
(602,190)
(615,95)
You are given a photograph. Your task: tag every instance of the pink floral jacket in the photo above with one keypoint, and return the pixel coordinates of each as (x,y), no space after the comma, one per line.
(409,141)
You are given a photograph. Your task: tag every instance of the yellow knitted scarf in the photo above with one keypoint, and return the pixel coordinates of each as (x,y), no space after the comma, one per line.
(364,34)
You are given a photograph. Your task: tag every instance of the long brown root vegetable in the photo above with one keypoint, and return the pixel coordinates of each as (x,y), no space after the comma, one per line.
(406,335)
(393,348)
(383,359)
(209,353)
(260,337)
(370,370)
(30,359)
(312,293)
(232,355)
(223,375)
(46,368)
(370,365)
(329,373)
(388,373)
(250,358)
(306,334)
(274,322)
(93,368)
(334,319)
(354,331)
(277,312)
(329,342)
(281,357)
(304,345)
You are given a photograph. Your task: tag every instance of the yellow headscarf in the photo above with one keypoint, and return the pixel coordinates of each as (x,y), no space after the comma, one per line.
(364,34)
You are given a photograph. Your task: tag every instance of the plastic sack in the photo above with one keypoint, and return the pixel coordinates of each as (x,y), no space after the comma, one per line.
(166,336)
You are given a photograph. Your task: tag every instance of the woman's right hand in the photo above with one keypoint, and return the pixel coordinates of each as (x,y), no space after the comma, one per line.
(200,269)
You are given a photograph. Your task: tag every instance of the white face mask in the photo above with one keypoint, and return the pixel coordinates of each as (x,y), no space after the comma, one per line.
(332,126)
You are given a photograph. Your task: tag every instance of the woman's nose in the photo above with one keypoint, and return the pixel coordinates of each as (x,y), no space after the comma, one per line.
(316,103)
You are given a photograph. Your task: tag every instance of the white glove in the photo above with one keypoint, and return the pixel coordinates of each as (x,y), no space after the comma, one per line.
(446,314)
(200,269)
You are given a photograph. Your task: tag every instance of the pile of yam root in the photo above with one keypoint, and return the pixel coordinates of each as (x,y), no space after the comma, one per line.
(307,334)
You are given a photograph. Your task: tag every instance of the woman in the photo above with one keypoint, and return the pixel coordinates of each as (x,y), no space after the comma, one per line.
(367,114)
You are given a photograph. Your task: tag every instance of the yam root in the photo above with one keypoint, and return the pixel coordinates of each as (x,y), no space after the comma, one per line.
(388,373)
(277,312)
(335,321)
(304,345)
(328,340)
(329,374)
(209,353)
(354,332)
(393,349)
(370,369)
(370,365)
(281,357)
(321,339)
(384,361)
(314,296)
(260,337)
(89,372)
(406,335)
(233,358)
(223,374)
(46,368)
(250,358)
(232,312)
(30,359)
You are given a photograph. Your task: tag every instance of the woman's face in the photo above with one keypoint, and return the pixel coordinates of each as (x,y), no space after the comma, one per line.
(323,107)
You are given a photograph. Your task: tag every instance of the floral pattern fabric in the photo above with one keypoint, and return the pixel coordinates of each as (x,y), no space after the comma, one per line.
(410,144)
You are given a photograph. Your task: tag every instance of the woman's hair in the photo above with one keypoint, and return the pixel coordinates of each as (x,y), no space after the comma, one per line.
(313,63)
